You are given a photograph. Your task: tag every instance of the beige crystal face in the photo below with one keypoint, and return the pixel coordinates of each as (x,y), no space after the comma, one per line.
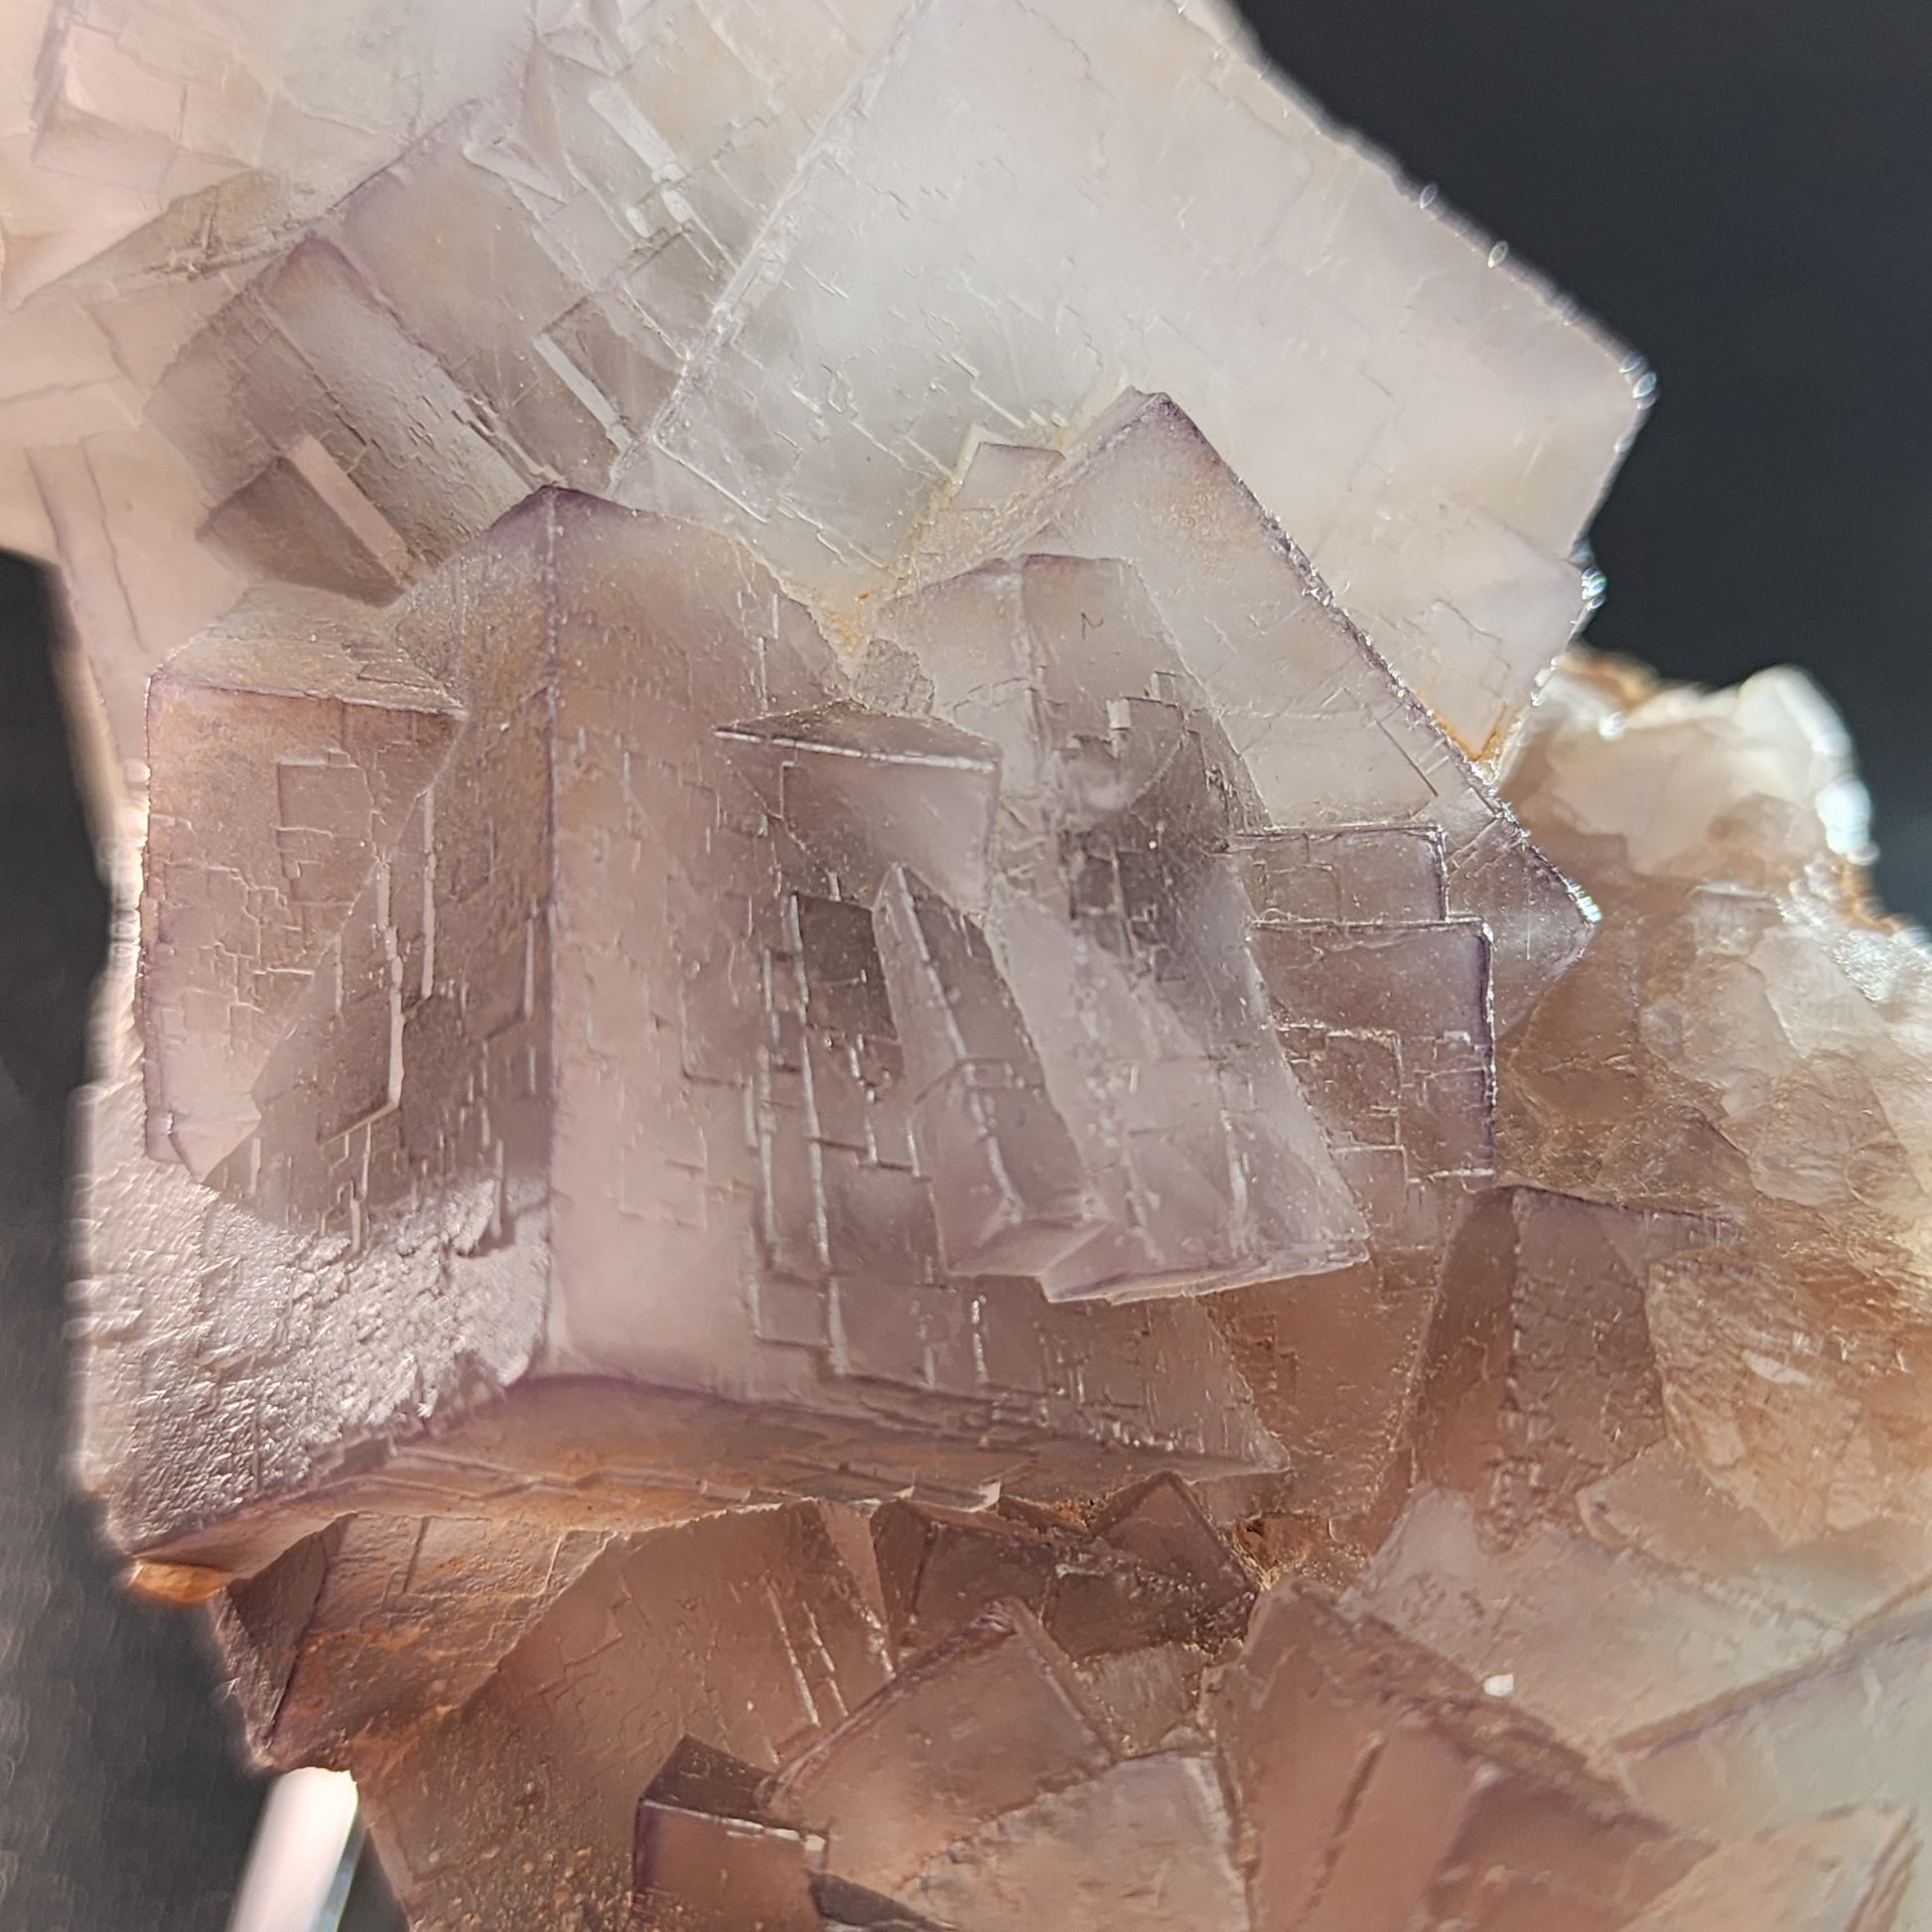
(880,1140)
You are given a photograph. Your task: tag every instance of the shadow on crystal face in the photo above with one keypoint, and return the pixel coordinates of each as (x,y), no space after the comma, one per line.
(989,1783)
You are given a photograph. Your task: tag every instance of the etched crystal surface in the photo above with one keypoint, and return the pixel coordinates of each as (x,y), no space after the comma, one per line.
(906,1120)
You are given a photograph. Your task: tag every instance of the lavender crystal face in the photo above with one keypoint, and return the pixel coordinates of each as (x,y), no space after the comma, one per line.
(898,1126)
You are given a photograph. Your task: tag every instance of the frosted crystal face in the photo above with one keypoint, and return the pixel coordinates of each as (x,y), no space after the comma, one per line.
(240,245)
(764,1196)
(881,1141)
(1376,359)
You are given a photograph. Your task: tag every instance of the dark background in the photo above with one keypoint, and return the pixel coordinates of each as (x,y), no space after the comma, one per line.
(1739,188)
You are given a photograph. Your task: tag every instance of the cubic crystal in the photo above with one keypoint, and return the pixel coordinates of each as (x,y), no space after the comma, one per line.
(905,1121)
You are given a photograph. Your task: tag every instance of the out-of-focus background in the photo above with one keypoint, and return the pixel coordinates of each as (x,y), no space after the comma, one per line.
(1738,188)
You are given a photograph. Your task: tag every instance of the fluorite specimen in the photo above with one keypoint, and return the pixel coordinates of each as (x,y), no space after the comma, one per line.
(906,1120)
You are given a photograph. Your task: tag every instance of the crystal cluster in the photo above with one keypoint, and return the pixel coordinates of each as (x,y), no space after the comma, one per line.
(908,1121)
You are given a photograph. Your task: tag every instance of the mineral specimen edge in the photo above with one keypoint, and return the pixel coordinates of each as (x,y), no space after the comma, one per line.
(906,1119)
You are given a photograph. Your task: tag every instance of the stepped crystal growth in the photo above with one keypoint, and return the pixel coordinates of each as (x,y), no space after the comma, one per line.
(898,1126)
